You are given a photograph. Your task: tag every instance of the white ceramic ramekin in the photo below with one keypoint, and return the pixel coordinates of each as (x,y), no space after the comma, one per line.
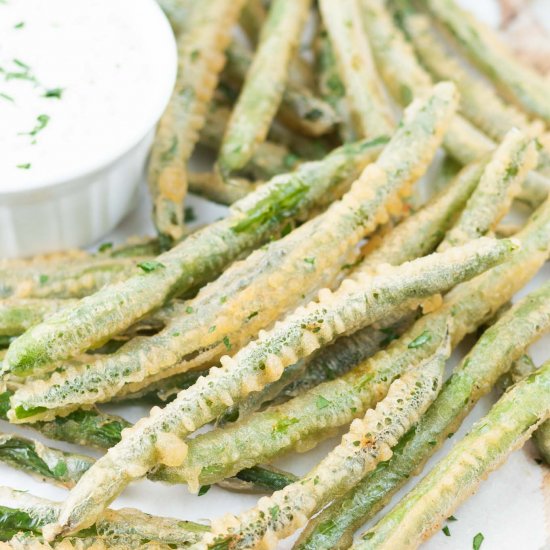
(88,202)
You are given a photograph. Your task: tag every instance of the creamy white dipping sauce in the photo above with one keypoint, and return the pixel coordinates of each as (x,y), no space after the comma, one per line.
(81,82)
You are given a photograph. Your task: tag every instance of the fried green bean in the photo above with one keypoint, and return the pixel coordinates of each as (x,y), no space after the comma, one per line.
(367,443)
(499,184)
(58,467)
(196,260)
(300,110)
(264,85)
(303,147)
(252,18)
(328,363)
(201,59)
(158,439)
(65,279)
(522,368)
(16,316)
(478,101)
(178,13)
(493,355)
(227,313)
(28,514)
(209,186)
(506,427)
(515,79)
(420,233)
(406,79)
(369,112)
(269,159)
(88,427)
(302,422)
(331,87)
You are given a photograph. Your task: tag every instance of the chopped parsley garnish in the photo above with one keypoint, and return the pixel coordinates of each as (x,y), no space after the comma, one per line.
(226,343)
(446,531)
(188,309)
(478,539)
(204,489)
(310,261)
(7,97)
(282,425)
(150,265)
(322,402)
(253,314)
(104,247)
(189,215)
(20,63)
(212,329)
(54,93)
(452,518)
(420,340)
(41,123)
(43,279)
(25,166)
(19,25)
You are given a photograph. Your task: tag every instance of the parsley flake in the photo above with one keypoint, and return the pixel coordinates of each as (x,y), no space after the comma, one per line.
(478,539)
(54,93)
(226,343)
(420,340)
(322,402)
(26,166)
(204,489)
(150,265)
(446,531)
(282,425)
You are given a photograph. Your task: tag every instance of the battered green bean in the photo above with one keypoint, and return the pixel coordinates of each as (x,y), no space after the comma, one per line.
(509,423)
(88,427)
(472,379)
(421,233)
(16,316)
(48,464)
(201,58)
(209,186)
(521,369)
(227,313)
(269,159)
(221,453)
(157,439)
(406,79)
(300,110)
(252,18)
(368,442)
(199,258)
(478,101)
(264,85)
(331,86)
(369,112)
(518,81)
(499,184)
(115,527)
(65,279)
